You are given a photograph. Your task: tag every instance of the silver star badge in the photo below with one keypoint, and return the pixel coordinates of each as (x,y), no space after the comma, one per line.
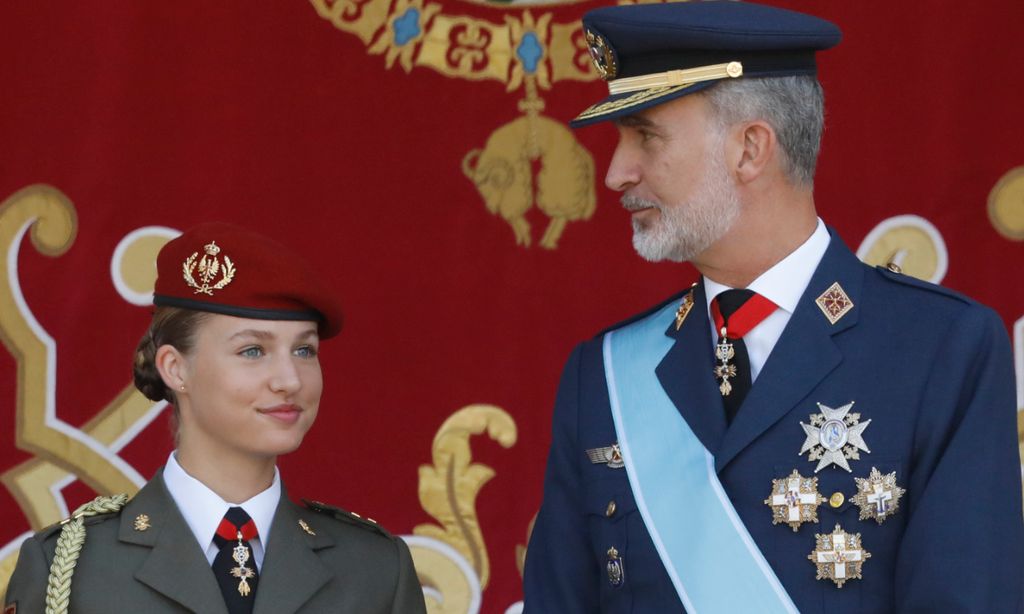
(834,436)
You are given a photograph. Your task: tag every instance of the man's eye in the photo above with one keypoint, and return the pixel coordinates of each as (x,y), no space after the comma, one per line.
(251,352)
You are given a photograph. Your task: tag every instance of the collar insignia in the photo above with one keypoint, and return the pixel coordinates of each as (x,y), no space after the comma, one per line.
(208,267)
(794,499)
(878,496)
(141,522)
(684,309)
(305,527)
(838,556)
(834,303)
(834,436)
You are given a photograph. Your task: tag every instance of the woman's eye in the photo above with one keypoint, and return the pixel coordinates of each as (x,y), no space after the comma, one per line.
(306,351)
(251,352)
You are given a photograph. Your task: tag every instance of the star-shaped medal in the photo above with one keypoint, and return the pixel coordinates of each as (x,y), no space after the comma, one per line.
(838,556)
(878,496)
(794,499)
(834,436)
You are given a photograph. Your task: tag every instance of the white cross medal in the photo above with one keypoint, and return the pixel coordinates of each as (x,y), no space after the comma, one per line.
(878,496)
(834,436)
(794,500)
(839,556)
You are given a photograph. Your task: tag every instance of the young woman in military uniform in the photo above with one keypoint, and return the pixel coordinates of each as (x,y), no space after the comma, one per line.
(233,347)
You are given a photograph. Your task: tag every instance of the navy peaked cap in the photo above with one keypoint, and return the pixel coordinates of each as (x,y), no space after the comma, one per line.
(653,53)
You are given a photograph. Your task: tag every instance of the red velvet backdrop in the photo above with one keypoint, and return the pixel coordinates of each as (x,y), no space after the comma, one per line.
(271,115)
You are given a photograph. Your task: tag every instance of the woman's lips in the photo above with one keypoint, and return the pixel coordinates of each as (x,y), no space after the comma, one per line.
(288,414)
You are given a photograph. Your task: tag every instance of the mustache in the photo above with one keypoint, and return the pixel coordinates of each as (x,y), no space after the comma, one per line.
(635,203)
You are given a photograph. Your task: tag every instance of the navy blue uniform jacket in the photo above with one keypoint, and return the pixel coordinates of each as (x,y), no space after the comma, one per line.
(930,368)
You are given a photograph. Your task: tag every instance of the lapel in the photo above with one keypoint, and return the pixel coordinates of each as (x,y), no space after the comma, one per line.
(686,374)
(804,355)
(176,566)
(292,572)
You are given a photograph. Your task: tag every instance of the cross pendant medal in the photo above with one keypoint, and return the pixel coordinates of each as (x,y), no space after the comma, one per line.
(240,555)
(724,352)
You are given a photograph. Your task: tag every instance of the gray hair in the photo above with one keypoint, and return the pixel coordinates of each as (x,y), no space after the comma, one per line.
(794,106)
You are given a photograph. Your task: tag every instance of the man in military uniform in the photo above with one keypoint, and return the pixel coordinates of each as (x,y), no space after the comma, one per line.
(798,431)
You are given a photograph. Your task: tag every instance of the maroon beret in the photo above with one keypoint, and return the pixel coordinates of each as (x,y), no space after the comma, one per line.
(221,268)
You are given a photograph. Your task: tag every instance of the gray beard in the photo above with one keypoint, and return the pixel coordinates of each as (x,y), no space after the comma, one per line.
(684,231)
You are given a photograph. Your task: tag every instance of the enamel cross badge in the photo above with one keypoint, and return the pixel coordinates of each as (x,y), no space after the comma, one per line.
(240,554)
(794,500)
(834,436)
(838,556)
(878,496)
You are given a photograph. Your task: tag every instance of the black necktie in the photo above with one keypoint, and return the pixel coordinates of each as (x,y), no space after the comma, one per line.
(234,566)
(728,303)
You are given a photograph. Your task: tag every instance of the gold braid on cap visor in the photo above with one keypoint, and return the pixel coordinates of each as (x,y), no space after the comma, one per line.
(672,78)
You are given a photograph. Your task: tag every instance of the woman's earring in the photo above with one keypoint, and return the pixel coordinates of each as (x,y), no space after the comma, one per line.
(182,388)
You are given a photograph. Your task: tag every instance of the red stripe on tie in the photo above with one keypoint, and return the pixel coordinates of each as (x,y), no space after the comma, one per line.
(749,315)
(229,531)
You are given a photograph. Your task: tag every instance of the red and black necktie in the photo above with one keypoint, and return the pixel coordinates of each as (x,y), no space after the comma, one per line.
(234,566)
(736,313)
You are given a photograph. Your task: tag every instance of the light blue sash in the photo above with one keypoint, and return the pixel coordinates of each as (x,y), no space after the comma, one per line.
(708,553)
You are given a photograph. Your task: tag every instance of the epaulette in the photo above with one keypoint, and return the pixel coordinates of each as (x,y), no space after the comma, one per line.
(672,299)
(893,272)
(346,516)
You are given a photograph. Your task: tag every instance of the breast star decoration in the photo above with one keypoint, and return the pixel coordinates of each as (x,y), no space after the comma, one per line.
(794,500)
(838,556)
(878,496)
(834,436)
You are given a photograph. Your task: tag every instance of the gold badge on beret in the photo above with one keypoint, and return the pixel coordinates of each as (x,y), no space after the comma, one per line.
(208,267)
(794,500)
(878,496)
(838,556)
(601,53)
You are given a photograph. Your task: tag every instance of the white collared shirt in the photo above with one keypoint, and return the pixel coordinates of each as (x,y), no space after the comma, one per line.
(783,284)
(203,509)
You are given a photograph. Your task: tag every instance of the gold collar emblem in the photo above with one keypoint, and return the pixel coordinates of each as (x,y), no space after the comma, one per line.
(305,527)
(839,556)
(208,267)
(878,496)
(834,436)
(794,499)
(141,522)
(684,309)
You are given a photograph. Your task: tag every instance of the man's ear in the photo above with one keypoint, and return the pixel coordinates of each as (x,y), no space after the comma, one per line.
(757,149)
(172,366)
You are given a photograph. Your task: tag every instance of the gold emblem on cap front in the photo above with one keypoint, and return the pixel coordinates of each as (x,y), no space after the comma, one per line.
(207,268)
(601,53)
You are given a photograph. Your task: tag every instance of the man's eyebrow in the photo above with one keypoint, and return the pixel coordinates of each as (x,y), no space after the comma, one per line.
(634,121)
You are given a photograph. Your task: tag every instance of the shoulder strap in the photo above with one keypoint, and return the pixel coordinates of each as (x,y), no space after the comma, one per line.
(69,546)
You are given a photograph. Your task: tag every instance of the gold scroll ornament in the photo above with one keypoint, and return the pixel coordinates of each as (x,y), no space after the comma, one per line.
(61,452)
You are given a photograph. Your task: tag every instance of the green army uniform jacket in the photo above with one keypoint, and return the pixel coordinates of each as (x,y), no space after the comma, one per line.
(340,565)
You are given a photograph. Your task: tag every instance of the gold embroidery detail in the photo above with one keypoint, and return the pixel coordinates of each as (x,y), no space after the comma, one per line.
(141,522)
(305,527)
(208,267)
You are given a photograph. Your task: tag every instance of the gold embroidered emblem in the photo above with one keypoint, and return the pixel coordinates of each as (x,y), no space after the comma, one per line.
(839,556)
(684,309)
(208,267)
(794,500)
(834,303)
(243,572)
(141,522)
(878,496)
(601,54)
(305,527)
